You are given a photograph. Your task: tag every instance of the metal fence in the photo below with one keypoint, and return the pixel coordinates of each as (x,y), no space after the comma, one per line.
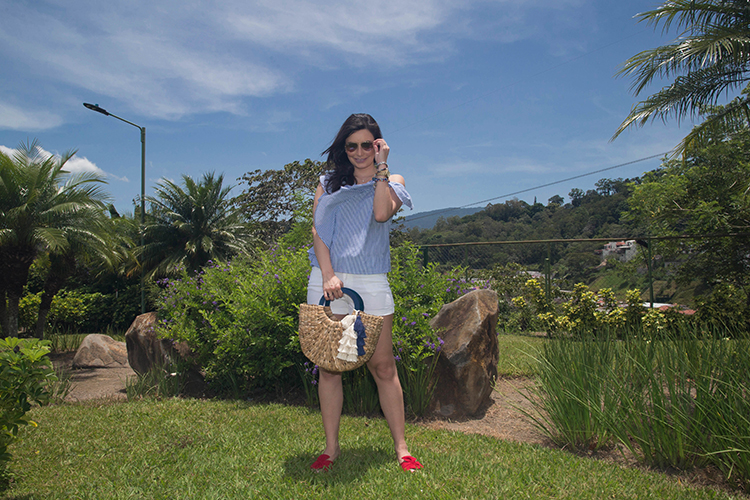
(484,255)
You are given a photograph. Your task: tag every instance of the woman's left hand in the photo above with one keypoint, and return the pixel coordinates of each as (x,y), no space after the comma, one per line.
(381,150)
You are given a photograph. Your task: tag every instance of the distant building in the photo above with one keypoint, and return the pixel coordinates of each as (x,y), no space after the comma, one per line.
(534,274)
(621,250)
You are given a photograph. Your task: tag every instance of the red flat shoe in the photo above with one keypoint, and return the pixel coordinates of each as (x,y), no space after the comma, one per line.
(323,463)
(410,463)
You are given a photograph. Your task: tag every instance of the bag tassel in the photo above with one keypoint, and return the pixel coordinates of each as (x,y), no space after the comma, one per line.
(348,343)
(359,327)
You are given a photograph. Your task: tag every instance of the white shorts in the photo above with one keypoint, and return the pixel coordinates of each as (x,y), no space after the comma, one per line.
(373,288)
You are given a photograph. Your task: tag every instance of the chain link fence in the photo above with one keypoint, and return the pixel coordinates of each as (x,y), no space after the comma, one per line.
(540,255)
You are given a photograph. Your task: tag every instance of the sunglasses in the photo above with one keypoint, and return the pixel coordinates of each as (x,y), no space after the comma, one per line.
(352,146)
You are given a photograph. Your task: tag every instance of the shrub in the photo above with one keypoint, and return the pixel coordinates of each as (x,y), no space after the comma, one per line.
(726,305)
(25,375)
(71,311)
(241,318)
(419,293)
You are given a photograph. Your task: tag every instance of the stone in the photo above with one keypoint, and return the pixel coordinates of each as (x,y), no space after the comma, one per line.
(467,367)
(100,351)
(146,351)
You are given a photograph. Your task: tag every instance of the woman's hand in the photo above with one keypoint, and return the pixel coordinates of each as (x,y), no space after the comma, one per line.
(332,288)
(381,150)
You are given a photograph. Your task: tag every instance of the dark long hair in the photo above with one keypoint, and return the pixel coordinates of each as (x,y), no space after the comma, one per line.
(341,169)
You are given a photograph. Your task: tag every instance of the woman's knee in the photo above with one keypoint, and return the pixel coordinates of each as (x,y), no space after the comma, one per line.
(329,376)
(384,370)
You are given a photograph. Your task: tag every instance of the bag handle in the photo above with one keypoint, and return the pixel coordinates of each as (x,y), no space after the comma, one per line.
(359,304)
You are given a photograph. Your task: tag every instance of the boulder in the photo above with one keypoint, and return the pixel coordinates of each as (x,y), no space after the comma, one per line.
(100,351)
(467,367)
(146,350)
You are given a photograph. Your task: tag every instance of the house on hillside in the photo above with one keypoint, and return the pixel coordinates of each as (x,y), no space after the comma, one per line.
(621,250)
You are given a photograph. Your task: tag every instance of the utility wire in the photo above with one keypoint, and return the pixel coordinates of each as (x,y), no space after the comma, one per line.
(433,214)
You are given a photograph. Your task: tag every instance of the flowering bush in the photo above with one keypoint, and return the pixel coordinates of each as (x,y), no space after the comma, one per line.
(241,318)
(419,293)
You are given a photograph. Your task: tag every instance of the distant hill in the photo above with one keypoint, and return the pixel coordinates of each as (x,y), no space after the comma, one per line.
(427,220)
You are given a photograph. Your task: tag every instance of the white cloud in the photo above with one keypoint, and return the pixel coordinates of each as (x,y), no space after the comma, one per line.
(16,118)
(168,58)
(75,165)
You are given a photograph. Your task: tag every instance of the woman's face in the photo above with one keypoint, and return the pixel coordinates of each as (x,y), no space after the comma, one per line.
(361,157)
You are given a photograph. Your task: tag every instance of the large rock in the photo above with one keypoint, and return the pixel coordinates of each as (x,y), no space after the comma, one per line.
(100,351)
(146,351)
(467,367)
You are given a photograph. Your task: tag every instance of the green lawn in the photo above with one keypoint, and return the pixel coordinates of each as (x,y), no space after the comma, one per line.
(517,355)
(194,449)
(191,449)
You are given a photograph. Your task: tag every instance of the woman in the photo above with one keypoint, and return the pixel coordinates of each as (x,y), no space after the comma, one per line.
(352,210)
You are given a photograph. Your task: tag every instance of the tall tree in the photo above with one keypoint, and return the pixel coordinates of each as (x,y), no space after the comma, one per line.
(273,196)
(191,224)
(710,58)
(704,193)
(42,207)
(99,246)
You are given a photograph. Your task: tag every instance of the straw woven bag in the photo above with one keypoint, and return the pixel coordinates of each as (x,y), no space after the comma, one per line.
(321,336)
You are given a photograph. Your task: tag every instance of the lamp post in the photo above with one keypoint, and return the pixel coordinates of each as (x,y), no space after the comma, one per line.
(95,107)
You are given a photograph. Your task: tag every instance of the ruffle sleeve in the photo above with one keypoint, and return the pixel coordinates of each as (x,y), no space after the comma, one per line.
(402,193)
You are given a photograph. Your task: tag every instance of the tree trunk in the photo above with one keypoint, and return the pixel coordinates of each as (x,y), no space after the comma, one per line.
(13,299)
(16,272)
(61,266)
(41,319)
(3,314)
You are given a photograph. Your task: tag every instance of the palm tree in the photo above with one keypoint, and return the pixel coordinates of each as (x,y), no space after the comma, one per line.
(190,225)
(99,245)
(42,208)
(710,58)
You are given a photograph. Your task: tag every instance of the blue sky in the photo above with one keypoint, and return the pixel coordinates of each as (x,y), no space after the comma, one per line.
(477,99)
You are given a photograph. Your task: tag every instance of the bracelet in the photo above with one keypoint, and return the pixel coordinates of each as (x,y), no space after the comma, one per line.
(376,179)
(381,163)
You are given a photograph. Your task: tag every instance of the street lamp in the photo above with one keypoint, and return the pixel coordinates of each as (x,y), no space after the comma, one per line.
(95,107)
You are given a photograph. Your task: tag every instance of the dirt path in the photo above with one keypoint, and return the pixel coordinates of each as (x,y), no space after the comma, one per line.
(93,383)
(501,419)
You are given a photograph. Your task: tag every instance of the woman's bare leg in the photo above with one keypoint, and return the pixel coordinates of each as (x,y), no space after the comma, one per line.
(382,365)
(331,394)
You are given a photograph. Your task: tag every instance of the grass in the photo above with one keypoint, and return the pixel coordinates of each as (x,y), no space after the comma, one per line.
(205,449)
(194,449)
(676,403)
(518,355)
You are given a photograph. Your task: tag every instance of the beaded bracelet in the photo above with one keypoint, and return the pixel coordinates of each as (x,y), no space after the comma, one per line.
(381,163)
(376,179)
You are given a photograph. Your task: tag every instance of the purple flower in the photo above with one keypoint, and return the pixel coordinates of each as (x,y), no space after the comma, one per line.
(426,315)
(397,358)
(403,318)
(412,323)
(314,382)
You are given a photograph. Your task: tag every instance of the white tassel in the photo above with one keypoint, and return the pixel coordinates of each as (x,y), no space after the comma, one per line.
(348,342)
